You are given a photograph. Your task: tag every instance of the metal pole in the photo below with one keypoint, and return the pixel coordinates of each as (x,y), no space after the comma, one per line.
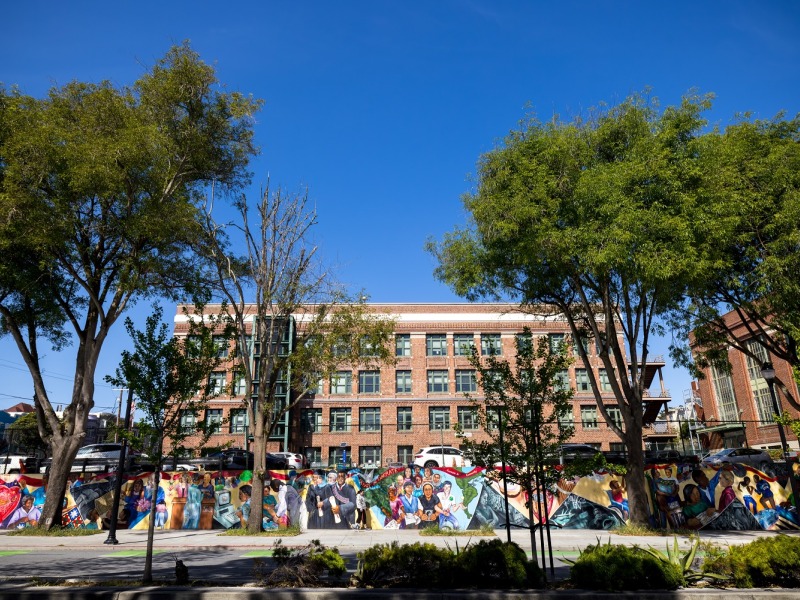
(784,446)
(112,529)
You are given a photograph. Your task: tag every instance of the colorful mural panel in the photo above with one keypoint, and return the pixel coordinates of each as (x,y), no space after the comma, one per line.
(737,498)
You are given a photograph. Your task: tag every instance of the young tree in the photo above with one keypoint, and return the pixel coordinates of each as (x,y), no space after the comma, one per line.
(276,290)
(164,373)
(98,207)
(594,221)
(521,412)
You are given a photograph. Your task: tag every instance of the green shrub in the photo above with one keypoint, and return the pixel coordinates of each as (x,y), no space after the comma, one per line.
(409,565)
(766,562)
(617,568)
(496,565)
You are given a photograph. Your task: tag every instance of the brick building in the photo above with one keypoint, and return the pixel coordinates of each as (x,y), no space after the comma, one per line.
(737,405)
(376,416)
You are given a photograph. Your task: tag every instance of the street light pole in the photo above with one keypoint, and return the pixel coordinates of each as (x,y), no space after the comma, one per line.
(112,529)
(768,373)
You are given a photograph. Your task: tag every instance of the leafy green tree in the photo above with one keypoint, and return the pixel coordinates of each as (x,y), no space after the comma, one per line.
(164,373)
(99,189)
(752,180)
(594,221)
(521,412)
(277,290)
(24,435)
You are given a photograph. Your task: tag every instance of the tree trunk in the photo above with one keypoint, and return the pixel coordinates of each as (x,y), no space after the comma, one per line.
(259,471)
(635,483)
(147,576)
(63,450)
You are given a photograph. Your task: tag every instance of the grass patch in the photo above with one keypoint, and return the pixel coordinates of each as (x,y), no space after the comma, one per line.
(288,532)
(484,531)
(644,530)
(55,532)
(131,553)
(14,552)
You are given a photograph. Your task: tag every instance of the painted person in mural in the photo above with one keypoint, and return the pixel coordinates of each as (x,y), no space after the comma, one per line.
(316,502)
(450,503)
(430,507)
(343,502)
(696,509)
(410,504)
(27,515)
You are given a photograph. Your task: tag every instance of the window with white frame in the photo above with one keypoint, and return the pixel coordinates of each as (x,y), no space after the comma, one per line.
(463,344)
(404,416)
(467,418)
(342,382)
(466,381)
(238,420)
(439,417)
(402,344)
(758,385)
(402,383)
(340,419)
(369,419)
(589,417)
(214,420)
(726,399)
(436,344)
(369,382)
(437,382)
(491,344)
(311,420)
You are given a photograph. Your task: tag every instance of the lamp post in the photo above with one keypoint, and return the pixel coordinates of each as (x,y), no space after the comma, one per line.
(112,529)
(768,373)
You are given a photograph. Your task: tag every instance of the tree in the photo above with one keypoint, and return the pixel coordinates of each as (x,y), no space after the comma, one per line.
(163,373)
(522,412)
(98,207)
(752,172)
(594,221)
(24,435)
(292,296)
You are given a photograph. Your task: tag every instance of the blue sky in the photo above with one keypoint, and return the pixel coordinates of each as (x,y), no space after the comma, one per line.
(383,108)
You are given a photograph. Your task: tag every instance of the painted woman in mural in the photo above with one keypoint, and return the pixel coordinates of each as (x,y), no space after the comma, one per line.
(316,496)
(27,515)
(430,507)
(137,505)
(450,503)
(726,479)
(696,510)
(191,513)
(618,499)
(747,490)
(410,506)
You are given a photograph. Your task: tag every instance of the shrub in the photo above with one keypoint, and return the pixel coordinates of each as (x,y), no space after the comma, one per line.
(496,565)
(617,568)
(410,565)
(766,562)
(300,567)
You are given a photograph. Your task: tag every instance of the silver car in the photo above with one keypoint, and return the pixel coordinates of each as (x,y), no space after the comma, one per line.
(760,459)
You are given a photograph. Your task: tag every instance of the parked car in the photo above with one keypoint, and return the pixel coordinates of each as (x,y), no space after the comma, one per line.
(670,456)
(438,456)
(96,458)
(293,460)
(13,464)
(570,452)
(760,459)
(231,458)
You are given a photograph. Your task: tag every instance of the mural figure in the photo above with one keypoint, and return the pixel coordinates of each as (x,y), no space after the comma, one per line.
(764,490)
(430,507)
(27,515)
(316,502)
(191,512)
(243,512)
(410,506)
(746,489)
(342,501)
(618,499)
(450,503)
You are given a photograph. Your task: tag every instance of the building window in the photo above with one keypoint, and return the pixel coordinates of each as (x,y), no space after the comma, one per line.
(214,420)
(369,419)
(583,341)
(313,455)
(341,347)
(402,344)
(524,342)
(220,346)
(589,417)
(314,383)
(402,382)
(216,383)
(188,421)
(239,420)
(491,344)
(437,382)
(561,381)
(757,383)
(466,381)
(467,418)
(463,344)
(605,383)
(311,420)
(439,417)
(404,418)
(615,414)
(566,418)
(369,455)
(338,456)
(436,344)
(340,419)
(240,387)
(582,380)
(342,382)
(405,454)
(556,343)
(367,347)
(369,382)
(618,447)
(726,399)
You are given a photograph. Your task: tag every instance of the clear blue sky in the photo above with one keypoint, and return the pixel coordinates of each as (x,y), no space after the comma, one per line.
(383,108)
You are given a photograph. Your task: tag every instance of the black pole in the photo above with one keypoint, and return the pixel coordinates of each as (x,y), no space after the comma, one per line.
(503,466)
(112,530)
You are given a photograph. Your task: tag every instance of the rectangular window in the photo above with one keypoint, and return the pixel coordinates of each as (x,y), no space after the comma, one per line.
(314,384)
(758,384)
(439,417)
(491,344)
(582,380)
(369,419)
(402,384)
(556,343)
(405,454)
(369,382)
(240,387)
(583,341)
(221,346)
(437,382)
(402,344)
(341,347)
(524,342)
(217,382)
(338,456)
(367,347)
(340,419)
(605,384)
(313,455)
(239,421)
(589,417)
(561,381)
(467,418)
(342,382)
(436,344)
(726,399)
(311,420)
(404,418)
(615,414)
(369,456)
(214,420)
(463,344)
(566,418)
(188,421)
(466,381)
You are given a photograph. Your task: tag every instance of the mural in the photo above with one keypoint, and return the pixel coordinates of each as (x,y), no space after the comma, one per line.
(736,497)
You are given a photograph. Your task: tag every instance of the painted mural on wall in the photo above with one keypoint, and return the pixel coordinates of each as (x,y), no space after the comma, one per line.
(737,498)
